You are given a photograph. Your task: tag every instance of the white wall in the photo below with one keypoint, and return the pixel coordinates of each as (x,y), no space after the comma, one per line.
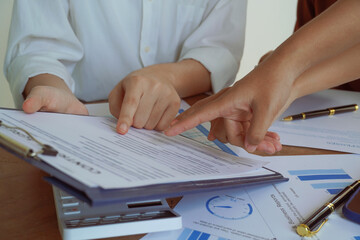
(5,17)
(268,24)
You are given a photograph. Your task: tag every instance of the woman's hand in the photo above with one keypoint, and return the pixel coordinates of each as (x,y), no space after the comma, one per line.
(241,114)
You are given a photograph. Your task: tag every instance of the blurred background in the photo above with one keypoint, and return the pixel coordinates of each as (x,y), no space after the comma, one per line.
(269,23)
(5,19)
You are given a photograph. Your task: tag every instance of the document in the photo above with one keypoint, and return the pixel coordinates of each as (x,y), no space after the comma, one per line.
(102,109)
(91,152)
(340,132)
(273,211)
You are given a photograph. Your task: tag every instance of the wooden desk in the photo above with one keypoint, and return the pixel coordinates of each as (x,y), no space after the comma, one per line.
(27,209)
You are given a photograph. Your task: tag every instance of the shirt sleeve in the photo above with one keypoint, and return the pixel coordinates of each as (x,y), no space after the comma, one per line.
(41,40)
(219,41)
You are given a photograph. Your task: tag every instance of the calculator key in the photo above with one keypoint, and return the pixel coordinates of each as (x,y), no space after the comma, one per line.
(130,215)
(71,211)
(72,223)
(94,219)
(111,217)
(144,217)
(87,223)
(102,221)
(153,213)
(65,195)
(71,202)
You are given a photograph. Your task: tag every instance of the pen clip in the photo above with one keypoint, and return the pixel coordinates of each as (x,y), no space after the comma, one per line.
(318,229)
(304,231)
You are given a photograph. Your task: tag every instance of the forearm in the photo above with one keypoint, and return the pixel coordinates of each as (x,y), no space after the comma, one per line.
(218,42)
(45,80)
(332,32)
(189,77)
(331,72)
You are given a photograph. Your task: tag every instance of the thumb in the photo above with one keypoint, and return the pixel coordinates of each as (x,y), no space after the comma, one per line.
(260,122)
(34,102)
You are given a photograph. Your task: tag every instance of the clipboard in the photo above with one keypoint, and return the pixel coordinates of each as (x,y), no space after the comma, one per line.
(97,196)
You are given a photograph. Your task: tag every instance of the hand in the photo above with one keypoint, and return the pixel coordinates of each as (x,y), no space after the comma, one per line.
(46,92)
(229,131)
(145,99)
(51,99)
(241,114)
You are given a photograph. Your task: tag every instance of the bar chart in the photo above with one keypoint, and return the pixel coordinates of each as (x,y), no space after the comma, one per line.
(200,134)
(190,234)
(332,180)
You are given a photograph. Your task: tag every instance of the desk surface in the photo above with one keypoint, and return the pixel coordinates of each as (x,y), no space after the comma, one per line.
(27,209)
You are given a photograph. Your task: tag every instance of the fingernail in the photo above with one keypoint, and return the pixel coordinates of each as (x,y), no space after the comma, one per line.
(211,137)
(123,128)
(270,150)
(278,147)
(173,122)
(250,148)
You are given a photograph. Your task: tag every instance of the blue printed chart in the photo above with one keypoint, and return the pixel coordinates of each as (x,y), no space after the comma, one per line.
(229,207)
(200,134)
(332,180)
(271,212)
(190,234)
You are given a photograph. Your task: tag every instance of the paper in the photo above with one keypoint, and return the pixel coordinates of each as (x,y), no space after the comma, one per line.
(93,153)
(200,135)
(273,211)
(99,109)
(102,109)
(340,132)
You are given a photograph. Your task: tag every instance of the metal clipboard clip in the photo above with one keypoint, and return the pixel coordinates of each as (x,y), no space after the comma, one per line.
(21,148)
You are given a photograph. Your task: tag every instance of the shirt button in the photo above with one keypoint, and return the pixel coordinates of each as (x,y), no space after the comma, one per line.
(147,49)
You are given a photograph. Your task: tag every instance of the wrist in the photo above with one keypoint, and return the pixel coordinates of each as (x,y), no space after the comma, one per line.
(44,80)
(190,77)
(292,57)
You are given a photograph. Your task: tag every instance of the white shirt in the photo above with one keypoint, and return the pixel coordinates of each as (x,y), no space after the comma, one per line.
(92,45)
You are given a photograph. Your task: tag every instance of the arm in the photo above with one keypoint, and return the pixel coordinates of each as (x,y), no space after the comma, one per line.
(41,41)
(330,73)
(219,41)
(254,102)
(189,77)
(46,92)
(150,97)
(329,34)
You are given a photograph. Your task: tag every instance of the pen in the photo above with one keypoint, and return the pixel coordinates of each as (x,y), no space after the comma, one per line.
(307,228)
(323,112)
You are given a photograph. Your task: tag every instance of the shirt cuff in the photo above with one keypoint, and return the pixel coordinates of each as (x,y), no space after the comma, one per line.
(219,62)
(25,67)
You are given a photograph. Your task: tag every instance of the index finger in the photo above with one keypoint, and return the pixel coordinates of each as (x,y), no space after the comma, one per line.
(128,109)
(193,117)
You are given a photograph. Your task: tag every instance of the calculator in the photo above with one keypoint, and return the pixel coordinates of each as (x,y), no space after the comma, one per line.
(79,220)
